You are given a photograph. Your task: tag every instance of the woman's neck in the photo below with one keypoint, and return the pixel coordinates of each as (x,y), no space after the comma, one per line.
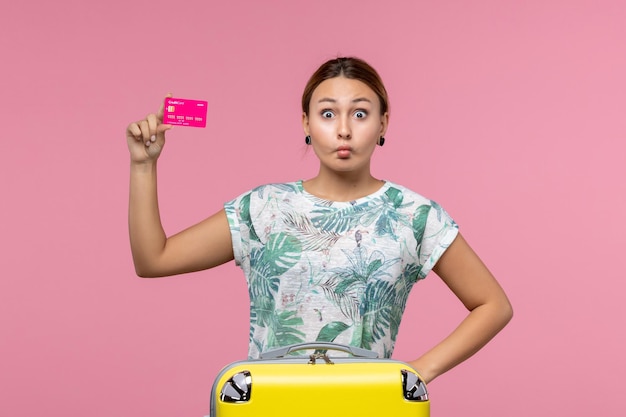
(342,187)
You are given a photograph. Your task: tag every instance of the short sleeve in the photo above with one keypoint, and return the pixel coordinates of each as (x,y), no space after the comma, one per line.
(239,221)
(439,232)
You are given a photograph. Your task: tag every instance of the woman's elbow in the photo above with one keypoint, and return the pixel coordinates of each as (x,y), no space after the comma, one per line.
(143,274)
(505,310)
(146,271)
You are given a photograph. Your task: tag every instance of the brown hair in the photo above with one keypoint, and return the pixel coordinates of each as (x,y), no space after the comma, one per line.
(349,67)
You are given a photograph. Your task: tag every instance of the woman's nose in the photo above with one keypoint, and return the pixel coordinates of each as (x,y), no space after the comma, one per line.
(343,130)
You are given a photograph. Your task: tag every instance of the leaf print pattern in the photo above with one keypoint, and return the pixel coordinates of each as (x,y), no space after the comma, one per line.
(402,288)
(244,212)
(419,224)
(351,290)
(391,217)
(312,238)
(281,253)
(348,302)
(284,187)
(282,329)
(377,311)
(260,279)
(328,271)
(329,332)
(339,221)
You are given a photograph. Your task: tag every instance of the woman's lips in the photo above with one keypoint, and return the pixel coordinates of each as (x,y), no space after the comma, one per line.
(344,151)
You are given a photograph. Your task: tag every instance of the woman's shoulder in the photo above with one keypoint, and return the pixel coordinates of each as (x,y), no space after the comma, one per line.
(274,191)
(277,187)
(271,191)
(427,212)
(397,191)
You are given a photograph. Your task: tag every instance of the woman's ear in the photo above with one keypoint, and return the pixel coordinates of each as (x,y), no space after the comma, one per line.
(384,123)
(305,123)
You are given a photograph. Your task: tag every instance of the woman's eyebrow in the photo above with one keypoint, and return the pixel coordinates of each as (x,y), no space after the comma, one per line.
(332,100)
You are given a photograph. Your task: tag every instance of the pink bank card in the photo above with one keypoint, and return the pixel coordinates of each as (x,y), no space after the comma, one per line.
(184,112)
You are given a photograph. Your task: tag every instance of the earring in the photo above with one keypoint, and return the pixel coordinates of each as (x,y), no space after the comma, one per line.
(381,141)
(307,140)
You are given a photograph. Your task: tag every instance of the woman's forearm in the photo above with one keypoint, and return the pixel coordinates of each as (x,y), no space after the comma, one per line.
(478,328)
(147,238)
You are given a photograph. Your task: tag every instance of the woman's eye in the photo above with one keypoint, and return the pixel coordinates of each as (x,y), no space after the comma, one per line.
(327,114)
(360,114)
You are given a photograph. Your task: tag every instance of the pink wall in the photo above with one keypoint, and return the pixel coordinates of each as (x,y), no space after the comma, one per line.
(511,114)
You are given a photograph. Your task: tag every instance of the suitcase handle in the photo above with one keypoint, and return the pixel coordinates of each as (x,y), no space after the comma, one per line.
(286,350)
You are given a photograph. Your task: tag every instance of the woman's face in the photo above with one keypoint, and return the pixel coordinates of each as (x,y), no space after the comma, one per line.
(344,123)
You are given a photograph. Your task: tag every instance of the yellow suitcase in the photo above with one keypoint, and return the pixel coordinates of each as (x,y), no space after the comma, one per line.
(319,384)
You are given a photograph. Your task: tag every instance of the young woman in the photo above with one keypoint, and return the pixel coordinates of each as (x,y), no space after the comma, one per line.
(331,258)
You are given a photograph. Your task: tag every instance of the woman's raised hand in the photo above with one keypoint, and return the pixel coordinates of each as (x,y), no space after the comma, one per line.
(146,137)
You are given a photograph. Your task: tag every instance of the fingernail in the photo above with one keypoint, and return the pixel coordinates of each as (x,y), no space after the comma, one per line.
(148,144)
(152,138)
